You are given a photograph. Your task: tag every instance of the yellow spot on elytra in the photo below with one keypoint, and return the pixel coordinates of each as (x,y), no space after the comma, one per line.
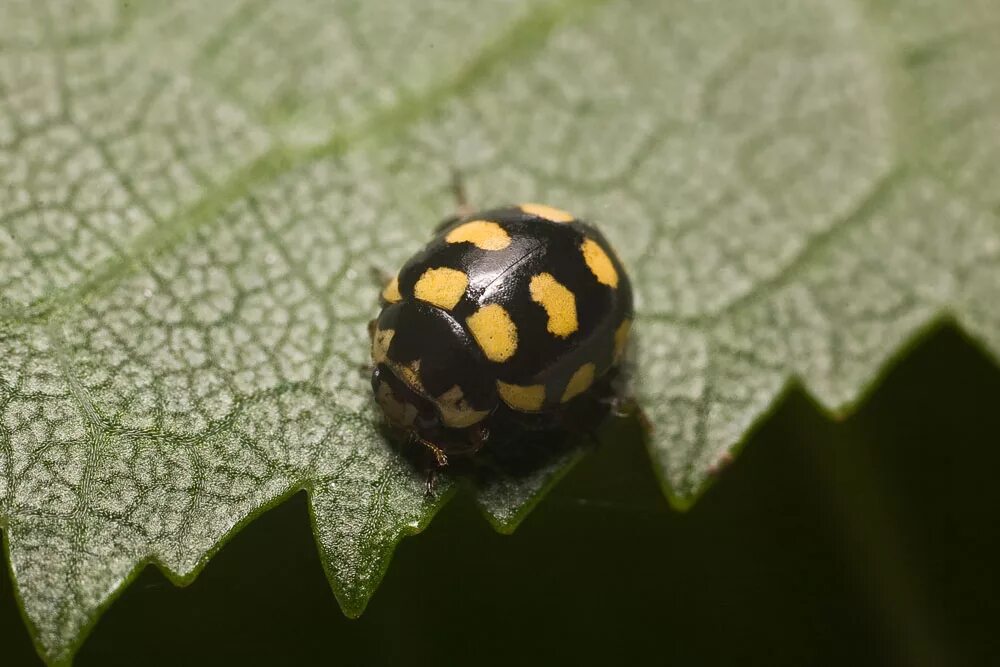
(520,397)
(547,212)
(441,287)
(410,374)
(380,344)
(558,302)
(399,413)
(621,337)
(599,263)
(391,292)
(483,234)
(579,383)
(456,411)
(495,332)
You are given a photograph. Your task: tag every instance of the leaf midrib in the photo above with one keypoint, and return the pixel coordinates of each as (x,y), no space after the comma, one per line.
(520,41)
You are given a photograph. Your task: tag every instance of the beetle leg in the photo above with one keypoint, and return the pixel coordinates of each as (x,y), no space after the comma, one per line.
(462,207)
(440,457)
(618,407)
(365,369)
(440,461)
(478,438)
(627,408)
(380,277)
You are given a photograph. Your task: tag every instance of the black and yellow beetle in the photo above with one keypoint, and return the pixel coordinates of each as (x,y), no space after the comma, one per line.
(506,317)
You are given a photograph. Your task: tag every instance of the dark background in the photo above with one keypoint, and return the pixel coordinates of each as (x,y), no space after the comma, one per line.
(869,541)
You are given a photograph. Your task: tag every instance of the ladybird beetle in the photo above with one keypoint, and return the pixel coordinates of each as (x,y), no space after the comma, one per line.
(506,317)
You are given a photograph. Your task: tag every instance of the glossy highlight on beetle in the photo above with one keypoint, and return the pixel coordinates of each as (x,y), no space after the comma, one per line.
(505,317)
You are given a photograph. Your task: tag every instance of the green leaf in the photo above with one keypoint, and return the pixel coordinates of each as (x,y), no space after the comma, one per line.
(194,193)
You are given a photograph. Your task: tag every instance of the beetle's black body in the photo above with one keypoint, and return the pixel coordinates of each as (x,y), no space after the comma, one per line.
(506,316)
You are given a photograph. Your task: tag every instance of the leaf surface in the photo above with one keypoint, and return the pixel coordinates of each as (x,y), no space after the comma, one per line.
(193,195)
